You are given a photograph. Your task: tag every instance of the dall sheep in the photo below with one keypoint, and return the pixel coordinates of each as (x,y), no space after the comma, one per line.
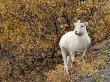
(73,42)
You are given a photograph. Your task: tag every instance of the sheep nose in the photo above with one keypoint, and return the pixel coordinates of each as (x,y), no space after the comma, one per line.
(76,32)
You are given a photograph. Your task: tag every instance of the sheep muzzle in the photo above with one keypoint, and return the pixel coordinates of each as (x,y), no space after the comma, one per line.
(79,34)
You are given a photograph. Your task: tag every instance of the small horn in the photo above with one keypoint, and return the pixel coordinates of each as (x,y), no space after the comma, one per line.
(75,19)
(83,18)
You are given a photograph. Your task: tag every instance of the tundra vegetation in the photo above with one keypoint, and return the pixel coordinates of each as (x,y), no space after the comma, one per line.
(30,32)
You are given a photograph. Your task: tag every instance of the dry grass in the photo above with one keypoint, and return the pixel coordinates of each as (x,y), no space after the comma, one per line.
(78,70)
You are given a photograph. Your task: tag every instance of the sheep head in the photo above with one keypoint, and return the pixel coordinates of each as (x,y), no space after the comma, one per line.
(80,27)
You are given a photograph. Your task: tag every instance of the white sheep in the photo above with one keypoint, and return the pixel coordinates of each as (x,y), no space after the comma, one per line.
(73,42)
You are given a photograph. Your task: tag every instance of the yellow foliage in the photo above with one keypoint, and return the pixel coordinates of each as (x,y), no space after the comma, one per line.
(30,30)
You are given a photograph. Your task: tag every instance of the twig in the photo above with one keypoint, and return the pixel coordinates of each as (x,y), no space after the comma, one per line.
(48,56)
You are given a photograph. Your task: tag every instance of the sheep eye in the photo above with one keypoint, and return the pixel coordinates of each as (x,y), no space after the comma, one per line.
(81,26)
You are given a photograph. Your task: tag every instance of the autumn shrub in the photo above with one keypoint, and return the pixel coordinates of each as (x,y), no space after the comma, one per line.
(30,31)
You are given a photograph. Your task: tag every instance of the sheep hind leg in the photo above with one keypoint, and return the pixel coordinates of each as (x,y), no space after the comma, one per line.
(83,55)
(72,54)
(65,61)
(68,60)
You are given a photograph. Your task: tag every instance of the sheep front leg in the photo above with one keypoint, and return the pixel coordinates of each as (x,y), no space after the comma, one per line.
(83,56)
(72,54)
(65,61)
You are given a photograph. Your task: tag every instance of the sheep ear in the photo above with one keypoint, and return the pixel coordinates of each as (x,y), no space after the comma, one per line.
(86,23)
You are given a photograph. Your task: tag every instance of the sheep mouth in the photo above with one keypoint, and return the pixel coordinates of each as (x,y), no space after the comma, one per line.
(79,34)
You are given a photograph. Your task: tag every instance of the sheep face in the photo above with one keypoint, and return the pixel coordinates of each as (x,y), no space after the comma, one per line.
(80,27)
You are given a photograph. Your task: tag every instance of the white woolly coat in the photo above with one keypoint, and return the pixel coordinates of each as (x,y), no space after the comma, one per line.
(72,42)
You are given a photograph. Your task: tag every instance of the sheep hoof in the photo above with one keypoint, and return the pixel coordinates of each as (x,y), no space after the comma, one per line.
(66,72)
(84,61)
